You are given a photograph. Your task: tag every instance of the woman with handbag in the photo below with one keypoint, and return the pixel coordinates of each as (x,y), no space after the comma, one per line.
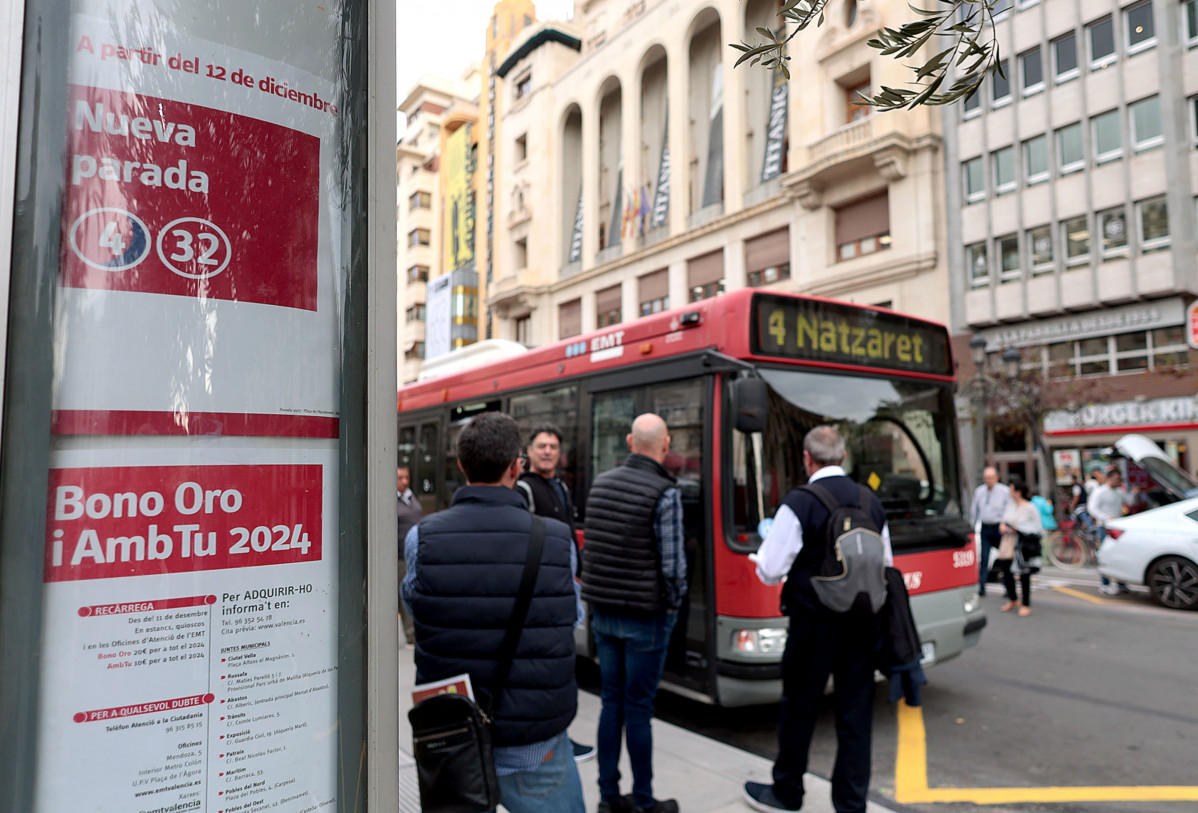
(1019,552)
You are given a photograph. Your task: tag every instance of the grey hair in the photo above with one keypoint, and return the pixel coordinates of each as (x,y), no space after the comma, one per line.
(825,445)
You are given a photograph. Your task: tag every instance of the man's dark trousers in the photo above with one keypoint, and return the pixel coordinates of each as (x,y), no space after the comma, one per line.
(821,644)
(991,538)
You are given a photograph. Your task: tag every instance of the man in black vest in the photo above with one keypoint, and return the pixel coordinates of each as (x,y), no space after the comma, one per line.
(410,512)
(464,571)
(634,577)
(820,642)
(549,497)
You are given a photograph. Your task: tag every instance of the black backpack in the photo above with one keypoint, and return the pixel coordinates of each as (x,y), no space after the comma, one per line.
(852,573)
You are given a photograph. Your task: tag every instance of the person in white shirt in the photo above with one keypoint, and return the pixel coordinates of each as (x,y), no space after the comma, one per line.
(990,501)
(1107,502)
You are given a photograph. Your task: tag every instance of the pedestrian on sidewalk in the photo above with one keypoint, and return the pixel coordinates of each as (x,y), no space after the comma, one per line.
(464,572)
(990,501)
(549,497)
(409,514)
(821,642)
(634,577)
(1022,528)
(1107,502)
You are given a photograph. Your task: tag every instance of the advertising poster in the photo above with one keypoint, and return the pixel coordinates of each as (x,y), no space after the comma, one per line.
(196,238)
(189,607)
(193,666)
(1064,462)
(459,202)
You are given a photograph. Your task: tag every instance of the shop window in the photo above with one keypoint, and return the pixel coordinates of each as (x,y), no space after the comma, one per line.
(863,227)
(1035,159)
(1071,155)
(1131,352)
(1039,249)
(1169,348)
(1113,226)
(1146,131)
(1137,22)
(1004,170)
(979,269)
(975,179)
(1064,57)
(1108,140)
(1101,36)
(1031,70)
(1076,234)
(1153,218)
(1093,356)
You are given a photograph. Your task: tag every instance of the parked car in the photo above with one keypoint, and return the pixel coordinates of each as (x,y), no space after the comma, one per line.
(1157,548)
(1169,483)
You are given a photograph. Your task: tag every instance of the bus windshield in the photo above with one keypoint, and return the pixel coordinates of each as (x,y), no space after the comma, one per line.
(900,440)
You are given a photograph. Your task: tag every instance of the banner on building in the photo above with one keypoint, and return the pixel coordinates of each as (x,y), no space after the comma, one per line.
(775,134)
(458,240)
(713,185)
(575,254)
(619,211)
(661,195)
(438,318)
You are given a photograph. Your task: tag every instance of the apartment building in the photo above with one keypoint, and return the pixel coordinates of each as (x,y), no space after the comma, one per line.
(640,171)
(1071,183)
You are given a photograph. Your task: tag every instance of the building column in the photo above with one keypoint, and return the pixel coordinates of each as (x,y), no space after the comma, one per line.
(679,291)
(679,90)
(630,145)
(590,185)
(732,29)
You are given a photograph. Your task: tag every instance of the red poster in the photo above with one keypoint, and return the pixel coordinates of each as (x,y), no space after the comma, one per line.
(146,520)
(170,198)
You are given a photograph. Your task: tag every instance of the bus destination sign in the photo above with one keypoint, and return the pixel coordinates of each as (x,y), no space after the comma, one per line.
(818,330)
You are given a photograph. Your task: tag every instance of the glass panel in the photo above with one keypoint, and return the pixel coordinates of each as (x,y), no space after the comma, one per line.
(558,406)
(1168,336)
(1114,231)
(1033,69)
(1093,347)
(1191,7)
(612,414)
(975,258)
(1146,122)
(973,103)
(1065,54)
(1128,363)
(1140,32)
(1102,42)
(1001,82)
(1040,246)
(1077,238)
(1095,367)
(1008,249)
(975,181)
(899,437)
(1108,141)
(1070,152)
(1035,155)
(1004,169)
(1131,342)
(1154,222)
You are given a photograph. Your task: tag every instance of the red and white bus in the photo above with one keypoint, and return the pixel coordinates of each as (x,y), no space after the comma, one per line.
(785,363)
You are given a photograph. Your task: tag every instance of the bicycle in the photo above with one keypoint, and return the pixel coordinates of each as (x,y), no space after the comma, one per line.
(1073,545)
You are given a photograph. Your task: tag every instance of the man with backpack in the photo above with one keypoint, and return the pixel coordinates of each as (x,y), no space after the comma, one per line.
(829,540)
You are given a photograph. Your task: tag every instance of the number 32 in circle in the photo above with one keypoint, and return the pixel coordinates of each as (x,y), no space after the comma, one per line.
(194,248)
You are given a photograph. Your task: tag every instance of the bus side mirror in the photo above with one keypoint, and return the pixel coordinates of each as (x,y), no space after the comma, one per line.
(750,404)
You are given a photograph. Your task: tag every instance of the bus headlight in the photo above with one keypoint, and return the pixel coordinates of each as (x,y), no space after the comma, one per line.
(760,641)
(971,602)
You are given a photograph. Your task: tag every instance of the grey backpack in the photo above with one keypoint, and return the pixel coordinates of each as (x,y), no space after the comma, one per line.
(852,575)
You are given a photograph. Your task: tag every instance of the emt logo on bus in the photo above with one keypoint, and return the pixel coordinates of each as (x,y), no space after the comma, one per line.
(817,330)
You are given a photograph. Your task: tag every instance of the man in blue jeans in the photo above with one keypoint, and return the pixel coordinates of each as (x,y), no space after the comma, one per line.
(634,576)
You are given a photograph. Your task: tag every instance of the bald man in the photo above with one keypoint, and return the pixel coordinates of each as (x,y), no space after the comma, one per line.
(634,577)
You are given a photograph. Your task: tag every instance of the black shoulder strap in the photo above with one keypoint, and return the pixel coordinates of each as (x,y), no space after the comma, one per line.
(515,624)
(823,495)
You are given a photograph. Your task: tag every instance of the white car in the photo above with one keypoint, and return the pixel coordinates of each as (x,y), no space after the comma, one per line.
(1157,548)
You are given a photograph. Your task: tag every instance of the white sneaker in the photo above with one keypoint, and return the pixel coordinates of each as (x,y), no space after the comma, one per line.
(1108,590)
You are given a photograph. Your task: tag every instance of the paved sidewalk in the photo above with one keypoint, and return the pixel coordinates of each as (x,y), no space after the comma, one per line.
(705,776)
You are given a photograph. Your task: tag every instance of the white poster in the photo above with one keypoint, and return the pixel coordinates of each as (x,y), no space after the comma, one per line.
(189,660)
(438,322)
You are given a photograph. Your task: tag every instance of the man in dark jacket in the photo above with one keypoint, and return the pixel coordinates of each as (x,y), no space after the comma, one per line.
(409,510)
(464,571)
(547,496)
(634,577)
(820,642)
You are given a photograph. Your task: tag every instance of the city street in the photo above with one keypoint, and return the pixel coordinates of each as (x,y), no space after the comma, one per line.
(1090,697)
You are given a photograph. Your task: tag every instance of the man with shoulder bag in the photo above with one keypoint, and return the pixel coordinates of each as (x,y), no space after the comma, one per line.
(473,571)
(830,542)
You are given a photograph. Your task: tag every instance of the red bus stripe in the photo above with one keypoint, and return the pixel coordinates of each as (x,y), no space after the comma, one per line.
(130,422)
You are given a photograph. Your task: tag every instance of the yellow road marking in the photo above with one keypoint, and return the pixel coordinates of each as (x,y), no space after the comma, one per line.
(1069,591)
(911,779)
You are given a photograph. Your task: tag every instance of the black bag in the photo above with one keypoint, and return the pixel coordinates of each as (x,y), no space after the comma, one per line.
(852,574)
(451,735)
(1029,546)
(452,747)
